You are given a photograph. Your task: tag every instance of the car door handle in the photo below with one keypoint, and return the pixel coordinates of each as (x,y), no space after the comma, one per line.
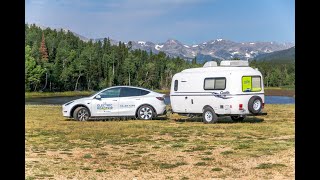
(137,99)
(114,100)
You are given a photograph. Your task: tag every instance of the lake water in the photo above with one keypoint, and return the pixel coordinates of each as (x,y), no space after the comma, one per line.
(279,100)
(62,100)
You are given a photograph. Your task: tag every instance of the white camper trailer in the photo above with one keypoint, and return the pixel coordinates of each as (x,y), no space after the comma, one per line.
(231,89)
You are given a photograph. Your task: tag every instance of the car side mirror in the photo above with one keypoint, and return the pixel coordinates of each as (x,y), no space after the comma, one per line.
(97,97)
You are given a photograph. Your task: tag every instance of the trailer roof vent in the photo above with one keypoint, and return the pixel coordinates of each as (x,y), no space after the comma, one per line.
(234,63)
(210,64)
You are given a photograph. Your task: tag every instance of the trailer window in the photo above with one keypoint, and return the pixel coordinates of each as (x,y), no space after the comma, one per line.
(251,83)
(214,83)
(176,85)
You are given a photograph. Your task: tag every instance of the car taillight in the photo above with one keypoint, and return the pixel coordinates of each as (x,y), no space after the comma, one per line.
(262,105)
(160,98)
(240,107)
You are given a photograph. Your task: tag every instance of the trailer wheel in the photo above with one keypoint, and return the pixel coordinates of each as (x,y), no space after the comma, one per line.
(237,118)
(209,116)
(255,104)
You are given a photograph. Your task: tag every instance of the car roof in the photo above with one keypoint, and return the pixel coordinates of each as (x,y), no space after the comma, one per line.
(129,87)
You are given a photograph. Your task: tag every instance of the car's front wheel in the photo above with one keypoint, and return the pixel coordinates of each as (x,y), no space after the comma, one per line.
(145,112)
(81,114)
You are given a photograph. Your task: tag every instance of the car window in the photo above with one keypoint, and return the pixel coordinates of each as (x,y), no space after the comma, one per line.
(127,92)
(144,92)
(110,93)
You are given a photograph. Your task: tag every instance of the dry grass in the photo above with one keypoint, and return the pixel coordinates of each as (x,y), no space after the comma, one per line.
(178,148)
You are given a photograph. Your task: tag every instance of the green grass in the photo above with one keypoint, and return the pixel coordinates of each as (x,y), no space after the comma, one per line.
(57,94)
(207,159)
(269,166)
(200,164)
(160,147)
(86,168)
(184,178)
(102,154)
(87,156)
(100,170)
(197,148)
(207,153)
(226,152)
(216,169)
(283,87)
(177,145)
(170,166)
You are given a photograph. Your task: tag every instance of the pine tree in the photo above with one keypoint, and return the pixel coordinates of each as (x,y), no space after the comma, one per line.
(194,60)
(43,50)
(33,72)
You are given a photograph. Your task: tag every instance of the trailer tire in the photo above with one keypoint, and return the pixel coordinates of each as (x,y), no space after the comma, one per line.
(255,104)
(209,116)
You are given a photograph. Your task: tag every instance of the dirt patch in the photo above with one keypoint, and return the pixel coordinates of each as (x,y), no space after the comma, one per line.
(279,92)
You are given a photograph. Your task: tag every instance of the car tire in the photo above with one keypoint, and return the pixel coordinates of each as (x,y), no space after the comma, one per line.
(81,114)
(255,104)
(145,112)
(209,116)
(237,118)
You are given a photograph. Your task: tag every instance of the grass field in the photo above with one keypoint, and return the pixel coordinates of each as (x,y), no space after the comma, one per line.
(177,148)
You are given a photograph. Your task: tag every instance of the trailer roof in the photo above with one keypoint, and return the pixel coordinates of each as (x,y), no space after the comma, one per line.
(219,69)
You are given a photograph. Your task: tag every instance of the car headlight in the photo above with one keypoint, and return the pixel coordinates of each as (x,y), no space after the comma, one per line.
(66,104)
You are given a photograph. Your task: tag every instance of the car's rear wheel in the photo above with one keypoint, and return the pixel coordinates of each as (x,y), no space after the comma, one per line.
(81,114)
(145,112)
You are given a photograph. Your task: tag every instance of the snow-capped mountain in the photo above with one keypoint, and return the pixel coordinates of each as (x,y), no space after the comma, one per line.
(212,49)
(217,49)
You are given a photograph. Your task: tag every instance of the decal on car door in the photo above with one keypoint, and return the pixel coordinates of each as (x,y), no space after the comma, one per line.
(127,106)
(104,106)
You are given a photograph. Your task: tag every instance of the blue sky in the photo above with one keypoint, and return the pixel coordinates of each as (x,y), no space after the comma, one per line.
(189,21)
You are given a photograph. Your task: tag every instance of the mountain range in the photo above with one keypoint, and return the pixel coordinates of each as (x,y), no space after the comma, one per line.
(217,49)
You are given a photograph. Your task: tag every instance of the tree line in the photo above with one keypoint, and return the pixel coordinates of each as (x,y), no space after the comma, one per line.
(60,61)
(276,74)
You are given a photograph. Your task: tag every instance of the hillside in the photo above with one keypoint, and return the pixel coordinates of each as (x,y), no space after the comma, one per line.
(287,55)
